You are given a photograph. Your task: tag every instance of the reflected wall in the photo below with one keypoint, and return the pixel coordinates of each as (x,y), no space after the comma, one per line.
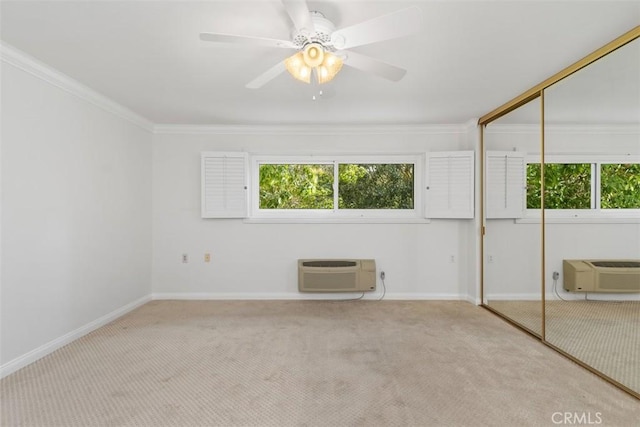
(512,247)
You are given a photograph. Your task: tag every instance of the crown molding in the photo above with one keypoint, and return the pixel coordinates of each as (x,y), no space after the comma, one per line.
(328,129)
(471,124)
(15,57)
(27,63)
(568,129)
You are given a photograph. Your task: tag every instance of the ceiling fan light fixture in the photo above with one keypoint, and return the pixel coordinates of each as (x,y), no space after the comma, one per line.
(313,54)
(296,66)
(329,68)
(316,40)
(313,57)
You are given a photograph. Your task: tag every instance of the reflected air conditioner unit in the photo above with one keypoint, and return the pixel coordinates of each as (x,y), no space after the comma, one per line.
(582,275)
(336,275)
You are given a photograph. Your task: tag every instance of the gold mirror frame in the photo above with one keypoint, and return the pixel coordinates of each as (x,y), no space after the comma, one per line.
(533,93)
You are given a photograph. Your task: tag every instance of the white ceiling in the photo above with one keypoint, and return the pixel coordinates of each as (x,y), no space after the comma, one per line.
(471,57)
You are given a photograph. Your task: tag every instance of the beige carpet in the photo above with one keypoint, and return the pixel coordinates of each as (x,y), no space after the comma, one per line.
(308,363)
(525,313)
(603,334)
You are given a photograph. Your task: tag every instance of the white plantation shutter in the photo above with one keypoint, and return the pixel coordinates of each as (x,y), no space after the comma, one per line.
(505,184)
(224,185)
(450,188)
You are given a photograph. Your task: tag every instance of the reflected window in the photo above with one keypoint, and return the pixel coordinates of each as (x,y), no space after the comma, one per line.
(573,186)
(620,186)
(567,186)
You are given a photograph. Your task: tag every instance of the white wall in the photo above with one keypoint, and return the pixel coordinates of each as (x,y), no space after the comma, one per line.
(259,260)
(76,204)
(515,248)
(512,260)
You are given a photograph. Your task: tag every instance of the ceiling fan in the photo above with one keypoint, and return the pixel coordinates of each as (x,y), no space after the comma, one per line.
(322,50)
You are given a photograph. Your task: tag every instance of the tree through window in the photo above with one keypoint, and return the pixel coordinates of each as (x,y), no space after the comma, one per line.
(567,186)
(570,185)
(382,186)
(375,186)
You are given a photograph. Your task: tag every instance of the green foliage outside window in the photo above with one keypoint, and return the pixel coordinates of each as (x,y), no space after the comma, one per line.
(296,186)
(620,186)
(375,186)
(567,186)
(361,186)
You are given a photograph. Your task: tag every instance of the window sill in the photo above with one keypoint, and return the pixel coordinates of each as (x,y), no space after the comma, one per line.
(336,221)
(581,220)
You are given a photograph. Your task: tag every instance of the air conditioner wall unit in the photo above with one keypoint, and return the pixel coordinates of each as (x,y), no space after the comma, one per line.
(583,275)
(336,275)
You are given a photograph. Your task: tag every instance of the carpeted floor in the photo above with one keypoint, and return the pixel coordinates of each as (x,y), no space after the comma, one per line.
(525,313)
(308,363)
(603,334)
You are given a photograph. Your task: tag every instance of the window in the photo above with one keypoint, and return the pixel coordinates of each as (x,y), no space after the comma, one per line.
(620,186)
(376,186)
(567,186)
(313,187)
(339,188)
(584,186)
(296,186)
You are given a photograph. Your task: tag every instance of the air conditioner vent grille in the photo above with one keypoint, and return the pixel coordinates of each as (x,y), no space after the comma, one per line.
(617,264)
(329,263)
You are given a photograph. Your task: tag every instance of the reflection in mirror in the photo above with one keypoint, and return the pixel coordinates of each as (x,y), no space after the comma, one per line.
(512,246)
(592,201)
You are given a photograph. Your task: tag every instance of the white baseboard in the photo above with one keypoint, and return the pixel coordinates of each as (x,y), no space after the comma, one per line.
(425,296)
(526,297)
(304,296)
(43,350)
(513,297)
(472,300)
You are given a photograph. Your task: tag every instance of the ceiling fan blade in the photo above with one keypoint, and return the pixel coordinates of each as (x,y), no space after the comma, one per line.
(374,66)
(393,25)
(299,13)
(246,40)
(267,76)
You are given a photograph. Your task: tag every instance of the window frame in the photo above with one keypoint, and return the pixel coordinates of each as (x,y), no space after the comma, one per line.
(595,212)
(337,214)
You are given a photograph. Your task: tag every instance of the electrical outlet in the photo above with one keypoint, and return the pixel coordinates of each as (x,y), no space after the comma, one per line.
(452,258)
(382,275)
(207,257)
(490,258)
(185,258)
(556,275)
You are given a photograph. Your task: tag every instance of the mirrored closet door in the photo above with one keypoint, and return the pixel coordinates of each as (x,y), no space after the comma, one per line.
(592,215)
(512,242)
(561,210)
